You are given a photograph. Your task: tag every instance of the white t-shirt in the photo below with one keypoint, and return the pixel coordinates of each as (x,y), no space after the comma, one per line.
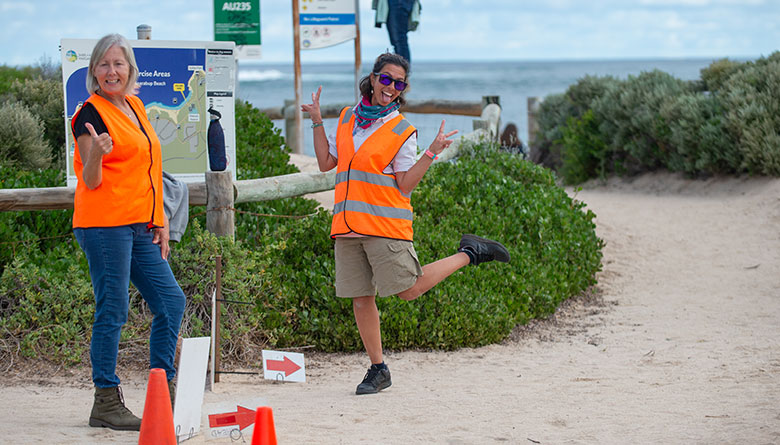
(404,159)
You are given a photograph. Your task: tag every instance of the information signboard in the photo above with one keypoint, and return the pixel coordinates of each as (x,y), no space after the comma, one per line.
(239,22)
(326,22)
(178,82)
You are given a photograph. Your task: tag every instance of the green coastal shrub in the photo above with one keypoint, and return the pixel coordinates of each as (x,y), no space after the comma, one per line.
(10,74)
(751,100)
(556,111)
(630,117)
(31,230)
(262,152)
(284,267)
(697,139)
(21,134)
(726,122)
(287,275)
(43,97)
(46,304)
(586,153)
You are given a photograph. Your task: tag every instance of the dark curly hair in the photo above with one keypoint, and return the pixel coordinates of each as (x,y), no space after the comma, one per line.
(379,63)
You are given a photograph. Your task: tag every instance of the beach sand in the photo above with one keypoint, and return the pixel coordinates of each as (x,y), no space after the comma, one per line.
(679,343)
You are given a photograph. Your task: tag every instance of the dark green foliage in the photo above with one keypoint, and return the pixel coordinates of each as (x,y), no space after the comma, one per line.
(46,303)
(284,267)
(696,133)
(751,100)
(556,111)
(630,117)
(9,75)
(728,122)
(21,134)
(714,76)
(43,97)
(31,230)
(587,154)
(262,153)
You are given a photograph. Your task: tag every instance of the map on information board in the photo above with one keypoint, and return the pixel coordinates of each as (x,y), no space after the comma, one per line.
(178,82)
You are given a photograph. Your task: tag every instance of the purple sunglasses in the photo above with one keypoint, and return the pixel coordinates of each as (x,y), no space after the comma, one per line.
(384,79)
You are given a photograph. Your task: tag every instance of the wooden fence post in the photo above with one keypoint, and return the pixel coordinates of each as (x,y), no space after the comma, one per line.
(290,128)
(533,123)
(220,196)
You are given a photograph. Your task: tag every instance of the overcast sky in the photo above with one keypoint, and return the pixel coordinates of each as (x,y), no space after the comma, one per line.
(449,29)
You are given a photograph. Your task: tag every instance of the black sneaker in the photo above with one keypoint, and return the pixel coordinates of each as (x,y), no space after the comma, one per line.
(482,250)
(374,381)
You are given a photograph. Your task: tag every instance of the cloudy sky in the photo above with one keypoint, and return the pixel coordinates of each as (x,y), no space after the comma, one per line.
(449,29)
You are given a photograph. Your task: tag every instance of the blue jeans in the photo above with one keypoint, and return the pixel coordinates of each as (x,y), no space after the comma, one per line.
(116,256)
(398,25)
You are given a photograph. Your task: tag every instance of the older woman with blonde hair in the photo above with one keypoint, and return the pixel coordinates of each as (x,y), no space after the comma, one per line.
(119,222)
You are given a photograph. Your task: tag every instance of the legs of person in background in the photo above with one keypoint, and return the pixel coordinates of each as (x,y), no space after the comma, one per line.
(398,26)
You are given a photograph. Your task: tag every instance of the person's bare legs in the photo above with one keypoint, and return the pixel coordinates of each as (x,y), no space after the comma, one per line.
(367,314)
(434,273)
(367,318)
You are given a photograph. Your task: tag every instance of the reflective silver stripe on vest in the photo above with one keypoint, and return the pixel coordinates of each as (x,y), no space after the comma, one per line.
(375,210)
(347,115)
(401,127)
(370,178)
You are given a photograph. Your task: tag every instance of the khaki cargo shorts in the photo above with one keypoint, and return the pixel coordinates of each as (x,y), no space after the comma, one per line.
(369,265)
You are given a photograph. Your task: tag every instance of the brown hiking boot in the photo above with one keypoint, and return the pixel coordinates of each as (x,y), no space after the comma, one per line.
(109,411)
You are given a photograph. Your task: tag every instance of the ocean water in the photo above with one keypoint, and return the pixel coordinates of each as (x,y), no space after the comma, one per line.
(268,85)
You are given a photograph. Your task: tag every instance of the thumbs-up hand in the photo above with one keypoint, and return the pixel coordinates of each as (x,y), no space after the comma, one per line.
(101,143)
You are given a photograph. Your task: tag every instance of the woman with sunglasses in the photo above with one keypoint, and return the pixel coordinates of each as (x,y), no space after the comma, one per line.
(375,151)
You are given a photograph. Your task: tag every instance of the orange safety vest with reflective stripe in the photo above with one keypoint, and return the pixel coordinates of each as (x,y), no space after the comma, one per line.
(368,201)
(131,190)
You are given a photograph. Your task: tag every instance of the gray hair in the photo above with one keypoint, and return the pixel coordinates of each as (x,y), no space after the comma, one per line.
(101,47)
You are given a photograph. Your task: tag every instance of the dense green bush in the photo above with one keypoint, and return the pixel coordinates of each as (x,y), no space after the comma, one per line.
(557,110)
(43,97)
(751,99)
(285,267)
(698,140)
(46,304)
(630,118)
(31,230)
(727,122)
(9,75)
(587,153)
(21,134)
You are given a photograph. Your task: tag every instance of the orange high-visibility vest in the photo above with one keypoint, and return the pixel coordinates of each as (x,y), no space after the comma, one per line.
(368,201)
(131,190)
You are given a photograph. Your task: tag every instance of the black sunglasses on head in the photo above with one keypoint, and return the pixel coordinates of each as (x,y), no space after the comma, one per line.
(385,79)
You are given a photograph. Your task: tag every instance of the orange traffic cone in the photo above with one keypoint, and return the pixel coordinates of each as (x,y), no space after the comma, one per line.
(265,433)
(157,421)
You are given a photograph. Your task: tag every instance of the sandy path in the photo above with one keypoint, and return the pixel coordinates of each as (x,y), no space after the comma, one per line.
(681,345)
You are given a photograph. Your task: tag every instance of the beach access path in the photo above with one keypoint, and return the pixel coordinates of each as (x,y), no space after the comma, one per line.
(679,343)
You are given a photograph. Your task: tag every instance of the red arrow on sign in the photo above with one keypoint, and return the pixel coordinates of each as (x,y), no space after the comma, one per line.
(243,417)
(287,366)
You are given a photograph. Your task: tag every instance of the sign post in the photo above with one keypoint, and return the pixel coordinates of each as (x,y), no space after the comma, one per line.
(239,22)
(319,24)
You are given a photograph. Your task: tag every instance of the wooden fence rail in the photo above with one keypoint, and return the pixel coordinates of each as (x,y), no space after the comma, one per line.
(464,108)
(251,190)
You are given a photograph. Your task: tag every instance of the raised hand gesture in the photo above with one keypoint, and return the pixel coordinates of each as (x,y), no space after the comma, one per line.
(102,143)
(314,107)
(442,140)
